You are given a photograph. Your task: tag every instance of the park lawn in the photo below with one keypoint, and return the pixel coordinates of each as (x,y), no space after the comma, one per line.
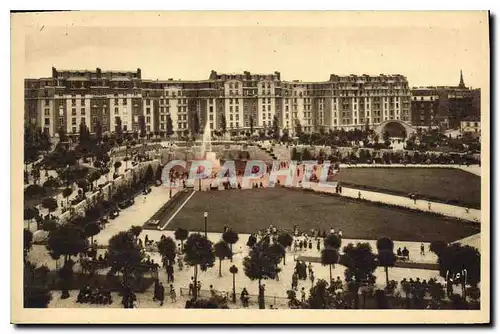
(248,211)
(446,185)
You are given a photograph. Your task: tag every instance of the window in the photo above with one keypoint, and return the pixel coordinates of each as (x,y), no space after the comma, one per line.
(148,119)
(73,112)
(268,108)
(82,102)
(46,102)
(94,120)
(268,100)
(237,109)
(230,101)
(73,129)
(116,101)
(47,121)
(73,121)
(47,112)
(231,109)
(73,102)
(82,111)
(61,120)
(231,117)
(148,110)
(82,120)
(124,102)
(148,102)
(211,117)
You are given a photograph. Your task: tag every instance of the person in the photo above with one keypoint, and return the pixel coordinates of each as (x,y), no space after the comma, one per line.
(399,253)
(311,276)
(359,194)
(156,289)
(191,286)
(144,201)
(170,273)
(310,244)
(198,286)
(429,205)
(146,240)
(310,268)
(212,291)
(180,263)
(303,295)
(300,245)
(332,230)
(244,297)
(295,281)
(318,245)
(161,293)
(422,249)
(340,233)
(406,253)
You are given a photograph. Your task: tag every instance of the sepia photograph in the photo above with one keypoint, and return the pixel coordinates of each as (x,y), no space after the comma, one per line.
(255,167)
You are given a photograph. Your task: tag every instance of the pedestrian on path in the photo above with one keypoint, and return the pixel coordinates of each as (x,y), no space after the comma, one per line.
(359,194)
(303,295)
(173,295)
(429,205)
(422,249)
(161,293)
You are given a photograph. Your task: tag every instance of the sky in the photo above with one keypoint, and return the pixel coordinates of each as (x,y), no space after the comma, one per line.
(428,48)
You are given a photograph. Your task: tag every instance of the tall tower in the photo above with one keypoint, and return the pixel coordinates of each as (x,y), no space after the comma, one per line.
(461,84)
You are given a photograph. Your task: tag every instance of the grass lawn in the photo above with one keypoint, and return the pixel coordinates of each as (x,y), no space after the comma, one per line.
(448,185)
(248,211)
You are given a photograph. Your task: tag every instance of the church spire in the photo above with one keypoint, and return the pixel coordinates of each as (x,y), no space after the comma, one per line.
(461,84)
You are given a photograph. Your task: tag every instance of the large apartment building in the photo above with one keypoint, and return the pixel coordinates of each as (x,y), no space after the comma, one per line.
(244,101)
(445,105)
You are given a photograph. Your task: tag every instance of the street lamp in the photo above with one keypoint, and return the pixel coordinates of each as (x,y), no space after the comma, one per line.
(205,214)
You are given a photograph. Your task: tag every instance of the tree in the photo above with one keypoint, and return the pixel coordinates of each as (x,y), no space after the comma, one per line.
(276,130)
(285,240)
(90,230)
(167,249)
(234,270)
(361,263)
(198,252)
(251,125)
(117,165)
(35,290)
(223,123)
(94,177)
(66,193)
(118,129)
(29,214)
(330,256)
(386,256)
(27,242)
(455,258)
(298,128)
(158,173)
(181,234)
(66,241)
(437,247)
(148,175)
(142,126)
(136,231)
(332,241)
(261,263)
(124,254)
(50,204)
(170,128)
(231,238)
(321,296)
(222,251)
(196,123)
(62,135)
(98,131)
(49,225)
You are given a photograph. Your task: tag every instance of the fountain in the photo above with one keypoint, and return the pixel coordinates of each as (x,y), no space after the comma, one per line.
(206,148)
